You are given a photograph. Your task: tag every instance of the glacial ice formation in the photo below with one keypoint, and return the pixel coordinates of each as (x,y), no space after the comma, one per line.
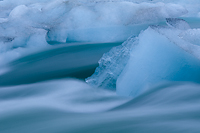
(159,54)
(70,18)
(111,65)
(35,23)
(81,20)
(157,60)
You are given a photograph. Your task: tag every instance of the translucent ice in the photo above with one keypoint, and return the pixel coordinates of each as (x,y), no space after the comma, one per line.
(159,54)
(85,20)
(157,60)
(30,23)
(111,65)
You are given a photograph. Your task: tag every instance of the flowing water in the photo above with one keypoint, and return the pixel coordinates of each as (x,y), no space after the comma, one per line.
(57,104)
(48,49)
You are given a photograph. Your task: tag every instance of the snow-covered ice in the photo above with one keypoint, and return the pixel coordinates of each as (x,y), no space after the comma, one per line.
(24,23)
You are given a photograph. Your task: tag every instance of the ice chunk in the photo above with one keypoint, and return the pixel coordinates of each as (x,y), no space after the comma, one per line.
(177,37)
(159,54)
(89,21)
(111,65)
(81,20)
(157,60)
(108,21)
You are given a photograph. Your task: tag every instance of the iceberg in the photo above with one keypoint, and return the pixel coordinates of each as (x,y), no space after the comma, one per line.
(158,54)
(95,21)
(72,20)
(154,61)
(38,23)
(110,21)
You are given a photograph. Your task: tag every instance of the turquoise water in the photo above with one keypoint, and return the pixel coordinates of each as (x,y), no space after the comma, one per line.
(36,96)
(61,72)
(72,106)
(67,60)
(44,91)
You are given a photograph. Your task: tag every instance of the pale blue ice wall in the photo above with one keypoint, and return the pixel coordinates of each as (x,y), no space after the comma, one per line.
(156,59)
(33,23)
(158,54)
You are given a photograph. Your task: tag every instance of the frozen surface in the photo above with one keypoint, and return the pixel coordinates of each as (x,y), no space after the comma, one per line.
(35,23)
(57,39)
(111,65)
(157,60)
(159,54)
